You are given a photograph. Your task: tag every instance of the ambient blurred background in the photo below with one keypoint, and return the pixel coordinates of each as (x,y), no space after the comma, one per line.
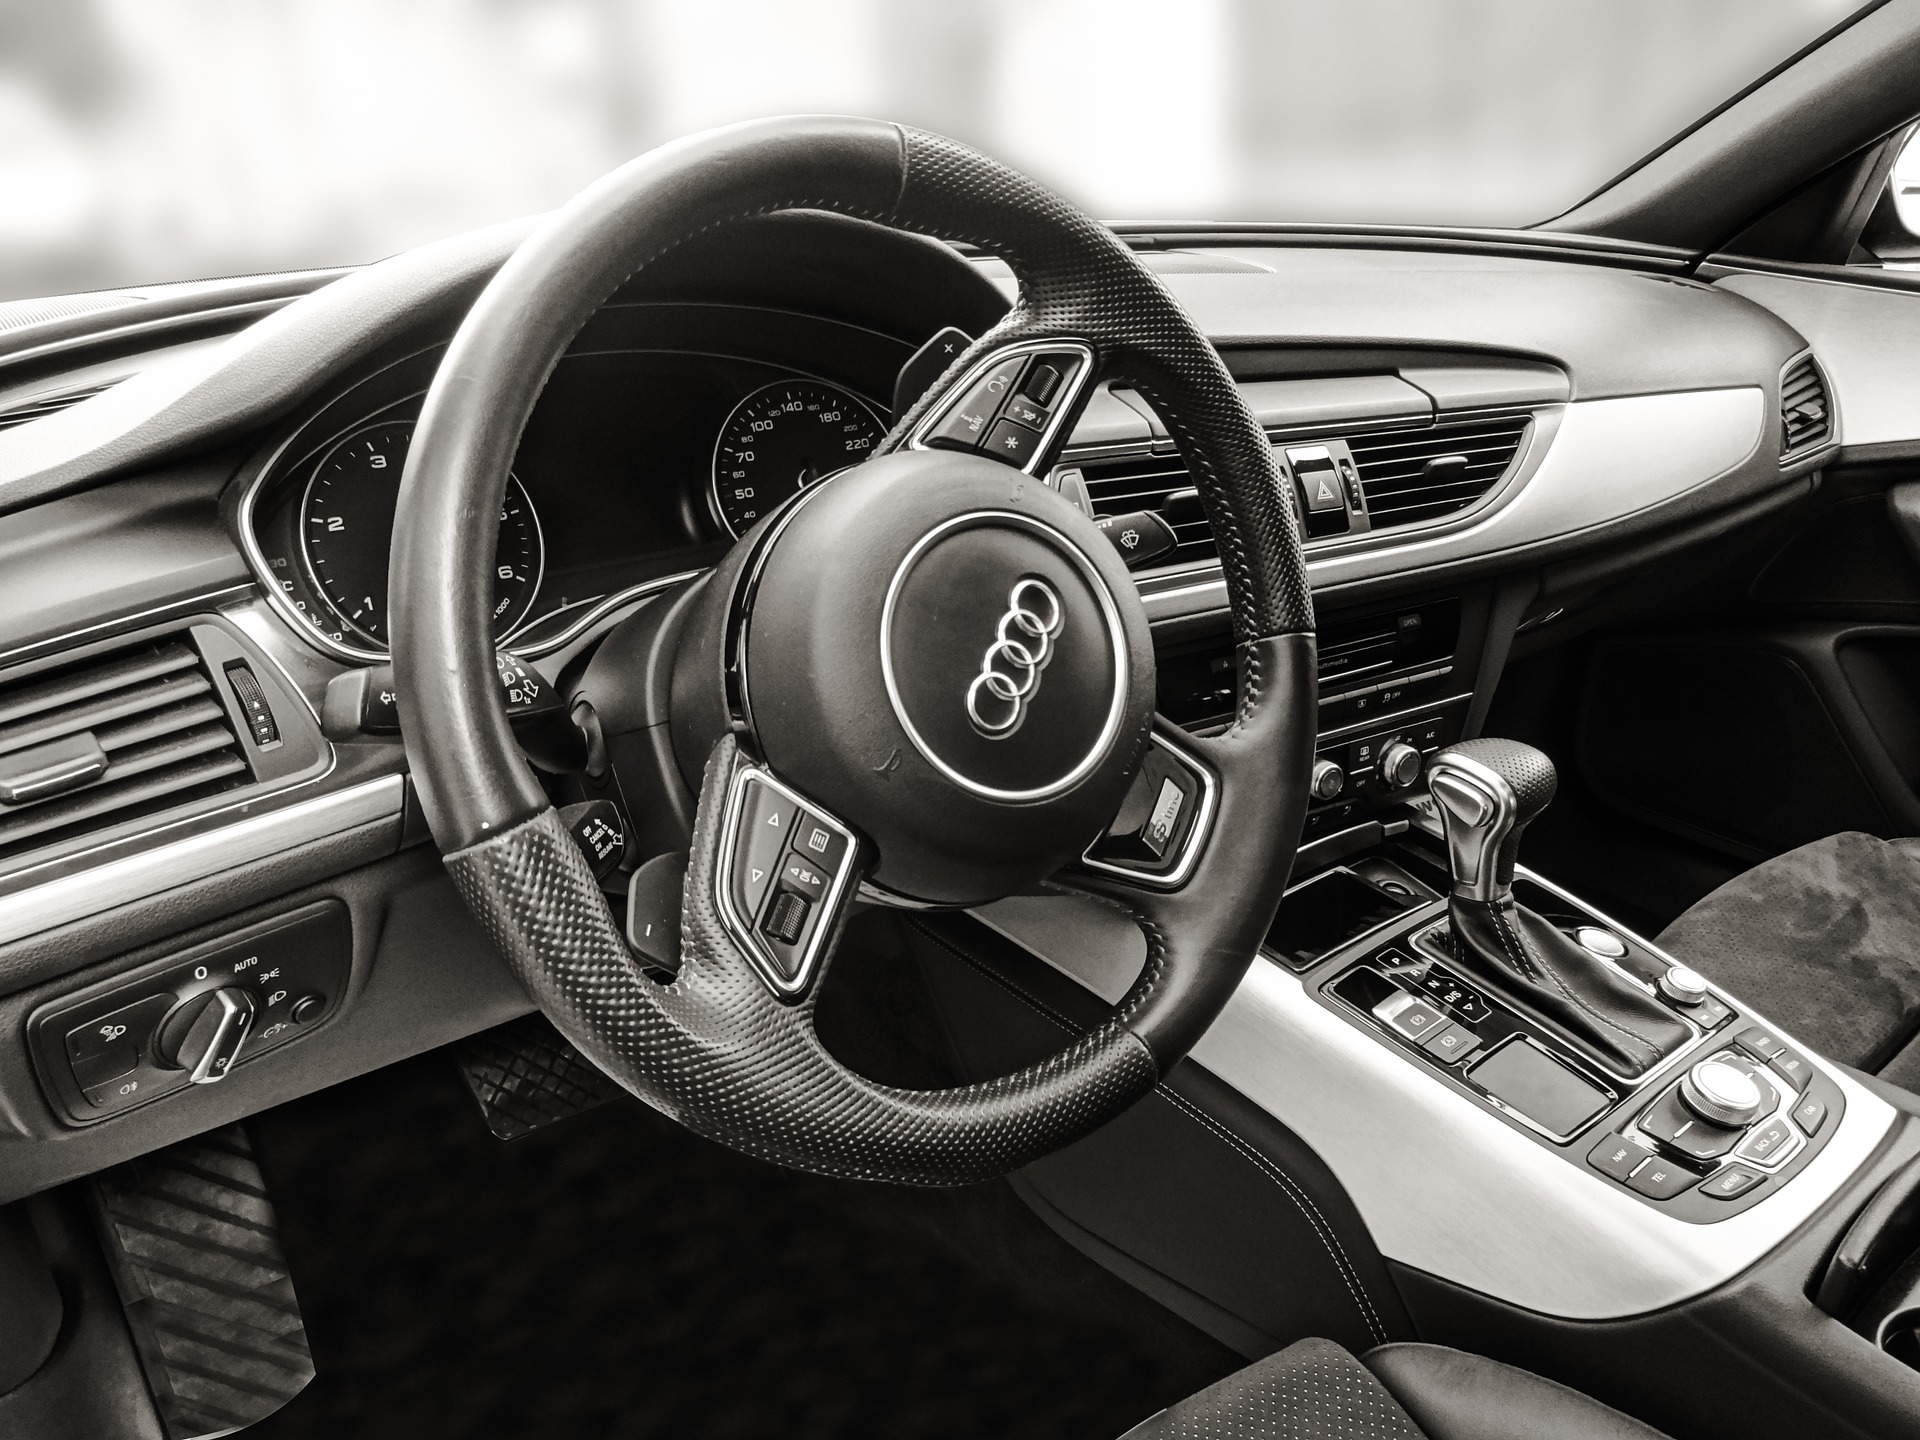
(151,140)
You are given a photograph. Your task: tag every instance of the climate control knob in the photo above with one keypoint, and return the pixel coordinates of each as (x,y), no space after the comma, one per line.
(1328,780)
(1721,1093)
(1400,764)
(203,1034)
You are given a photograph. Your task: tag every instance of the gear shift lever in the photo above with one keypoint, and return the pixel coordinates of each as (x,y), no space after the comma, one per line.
(1487,792)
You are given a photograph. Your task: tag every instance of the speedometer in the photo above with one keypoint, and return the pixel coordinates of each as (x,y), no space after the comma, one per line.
(781,438)
(346,533)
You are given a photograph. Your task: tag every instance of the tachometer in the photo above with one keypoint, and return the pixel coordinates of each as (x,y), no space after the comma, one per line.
(782,437)
(346,533)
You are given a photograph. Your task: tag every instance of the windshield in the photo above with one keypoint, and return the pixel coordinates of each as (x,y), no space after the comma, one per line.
(151,140)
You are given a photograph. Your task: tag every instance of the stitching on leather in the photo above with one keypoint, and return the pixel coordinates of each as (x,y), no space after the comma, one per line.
(1302,1201)
(1503,925)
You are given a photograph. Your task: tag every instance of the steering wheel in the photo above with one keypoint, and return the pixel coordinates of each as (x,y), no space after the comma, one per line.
(926,681)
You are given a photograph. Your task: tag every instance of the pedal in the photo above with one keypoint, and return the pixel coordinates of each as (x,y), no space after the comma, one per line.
(194,1247)
(525,1075)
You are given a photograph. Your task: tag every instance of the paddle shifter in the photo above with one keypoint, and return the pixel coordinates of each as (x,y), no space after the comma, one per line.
(1487,792)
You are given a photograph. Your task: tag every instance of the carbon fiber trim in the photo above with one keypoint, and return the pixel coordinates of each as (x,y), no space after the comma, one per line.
(716,1051)
(525,1075)
(194,1247)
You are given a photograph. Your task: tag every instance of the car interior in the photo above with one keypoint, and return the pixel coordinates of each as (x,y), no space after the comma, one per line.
(817,795)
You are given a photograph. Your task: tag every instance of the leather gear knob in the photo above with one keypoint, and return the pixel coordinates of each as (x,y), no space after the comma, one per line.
(1488,792)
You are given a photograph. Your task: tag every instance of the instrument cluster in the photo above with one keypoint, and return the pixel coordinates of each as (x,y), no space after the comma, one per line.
(642,461)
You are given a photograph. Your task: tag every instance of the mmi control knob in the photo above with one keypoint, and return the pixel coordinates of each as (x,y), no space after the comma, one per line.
(1721,1093)
(1400,764)
(203,1034)
(1328,780)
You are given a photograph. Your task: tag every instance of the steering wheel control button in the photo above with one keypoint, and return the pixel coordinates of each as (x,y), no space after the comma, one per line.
(1672,1123)
(1810,1114)
(766,825)
(1731,1183)
(968,424)
(1721,1093)
(786,917)
(1600,942)
(1044,381)
(1767,1143)
(804,879)
(1015,444)
(819,842)
(1412,1017)
(1761,1044)
(1140,536)
(1022,411)
(1452,1044)
(1618,1157)
(1660,1179)
(1791,1066)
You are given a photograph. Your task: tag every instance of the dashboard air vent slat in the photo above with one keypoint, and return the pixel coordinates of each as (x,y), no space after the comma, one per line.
(1408,476)
(41,406)
(1404,482)
(151,709)
(1805,413)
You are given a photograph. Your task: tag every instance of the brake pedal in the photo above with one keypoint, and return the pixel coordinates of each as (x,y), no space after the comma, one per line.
(525,1075)
(194,1246)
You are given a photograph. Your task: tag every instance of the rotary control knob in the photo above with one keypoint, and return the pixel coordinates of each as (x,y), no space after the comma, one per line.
(1720,1093)
(1328,780)
(203,1034)
(1683,986)
(1400,764)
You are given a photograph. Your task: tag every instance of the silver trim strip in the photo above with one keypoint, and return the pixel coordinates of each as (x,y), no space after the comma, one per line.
(83,893)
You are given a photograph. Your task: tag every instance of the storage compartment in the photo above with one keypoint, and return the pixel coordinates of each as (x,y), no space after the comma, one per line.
(1320,916)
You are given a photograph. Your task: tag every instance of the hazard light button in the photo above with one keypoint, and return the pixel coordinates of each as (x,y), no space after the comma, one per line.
(1321,488)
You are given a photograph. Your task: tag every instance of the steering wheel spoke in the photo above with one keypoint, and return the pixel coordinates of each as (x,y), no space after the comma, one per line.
(1157,838)
(1013,401)
(783,872)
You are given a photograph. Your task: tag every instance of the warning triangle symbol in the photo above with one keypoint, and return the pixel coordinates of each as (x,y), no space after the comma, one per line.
(1326,491)
(757,873)
(774,819)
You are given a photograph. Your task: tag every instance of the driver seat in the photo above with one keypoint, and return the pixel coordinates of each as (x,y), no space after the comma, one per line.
(1314,1390)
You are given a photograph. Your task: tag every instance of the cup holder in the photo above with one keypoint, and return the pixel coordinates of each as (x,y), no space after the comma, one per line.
(1899,1336)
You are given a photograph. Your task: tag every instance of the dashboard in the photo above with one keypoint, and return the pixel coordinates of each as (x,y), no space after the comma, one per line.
(1517,422)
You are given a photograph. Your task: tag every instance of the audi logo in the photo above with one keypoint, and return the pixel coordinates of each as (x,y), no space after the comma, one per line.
(1022,648)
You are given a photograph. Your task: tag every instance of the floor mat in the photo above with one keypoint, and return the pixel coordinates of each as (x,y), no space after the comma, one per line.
(613,1275)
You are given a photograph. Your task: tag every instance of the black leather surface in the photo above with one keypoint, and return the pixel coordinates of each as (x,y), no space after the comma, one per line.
(1312,1390)
(1457,1396)
(717,1052)
(1594,1006)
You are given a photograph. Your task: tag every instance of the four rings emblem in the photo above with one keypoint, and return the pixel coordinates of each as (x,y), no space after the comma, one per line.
(1022,648)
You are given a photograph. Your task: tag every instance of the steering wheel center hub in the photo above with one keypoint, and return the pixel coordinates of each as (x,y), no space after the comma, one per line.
(949,655)
(1004,656)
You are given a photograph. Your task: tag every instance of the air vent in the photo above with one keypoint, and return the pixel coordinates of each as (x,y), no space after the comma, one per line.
(1806,420)
(111,738)
(41,406)
(1408,476)
(1414,475)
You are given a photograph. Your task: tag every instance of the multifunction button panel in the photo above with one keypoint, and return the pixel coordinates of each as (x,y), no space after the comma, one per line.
(786,870)
(191,1017)
(1724,1124)
(1011,406)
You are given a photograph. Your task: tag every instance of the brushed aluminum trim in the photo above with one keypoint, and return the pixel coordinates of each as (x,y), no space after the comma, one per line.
(82,893)
(1449,1188)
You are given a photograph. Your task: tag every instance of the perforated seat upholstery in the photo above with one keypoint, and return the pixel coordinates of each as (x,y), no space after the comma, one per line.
(1314,1390)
